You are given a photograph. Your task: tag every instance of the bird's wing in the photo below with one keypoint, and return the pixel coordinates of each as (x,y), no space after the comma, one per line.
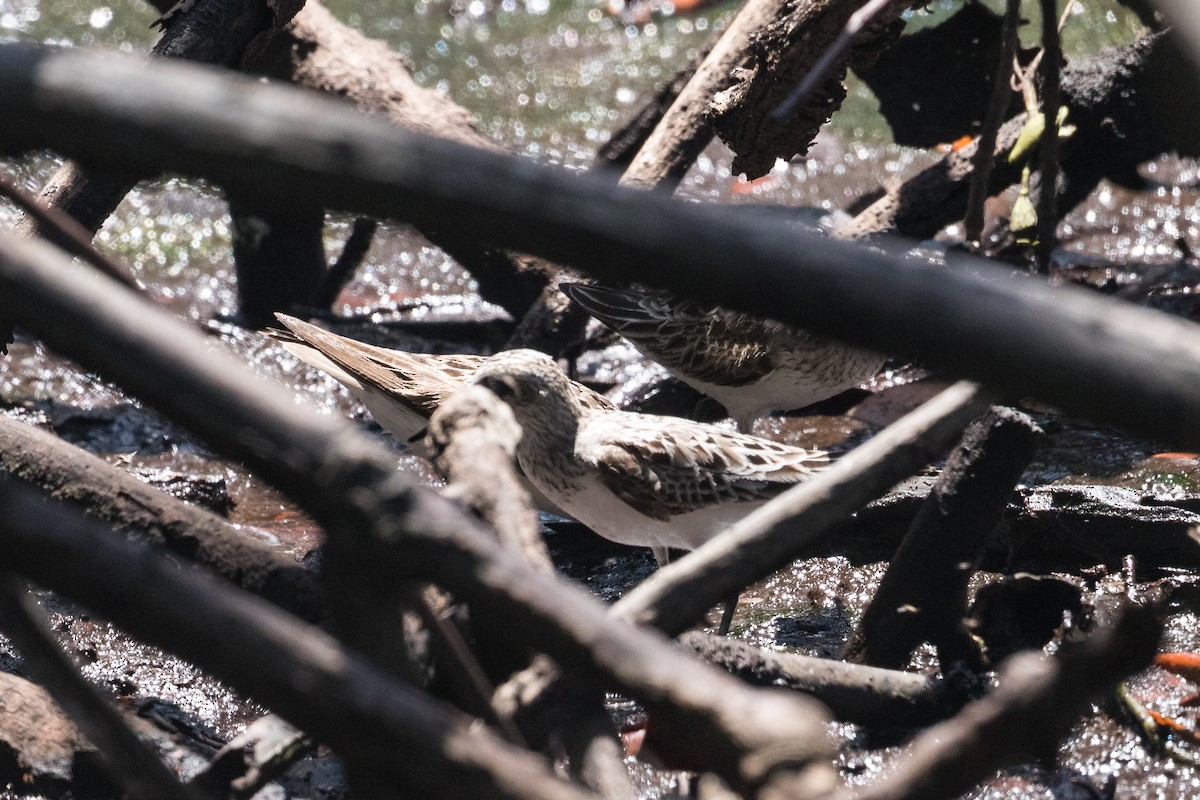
(421,381)
(697,340)
(418,381)
(664,466)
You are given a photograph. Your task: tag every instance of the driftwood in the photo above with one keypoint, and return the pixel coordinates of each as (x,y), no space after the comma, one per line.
(304,674)
(686,128)
(382,529)
(65,232)
(253,758)
(854,693)
(1037,702)
(316,51)
(923,594)
(113,495)
(130,764)
(778,59)
(684,131)
(614,156)
(934,85)
(43,741)
(1123,115)
(215,33)
(1061,527)
(937,195)
(472,437)
(278,255)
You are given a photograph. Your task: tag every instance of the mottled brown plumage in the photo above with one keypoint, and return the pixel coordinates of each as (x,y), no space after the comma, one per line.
(750,365)
(636,478)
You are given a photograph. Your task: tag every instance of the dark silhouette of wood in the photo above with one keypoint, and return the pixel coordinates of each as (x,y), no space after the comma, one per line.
(354,251)
(278,254)
(1088,355)
(1128,104)
(1037,702)
(130,764)
(316,51)
(923,595)
(113,495)
(1047,202)
(213,32)
(863,695)
(308,677)
(935,85)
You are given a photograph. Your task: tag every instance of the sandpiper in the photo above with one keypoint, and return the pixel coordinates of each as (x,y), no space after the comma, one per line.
(637,479)
(401,390)
(750,365)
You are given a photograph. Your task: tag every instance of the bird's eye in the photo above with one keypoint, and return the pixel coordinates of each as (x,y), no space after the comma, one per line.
(502,386)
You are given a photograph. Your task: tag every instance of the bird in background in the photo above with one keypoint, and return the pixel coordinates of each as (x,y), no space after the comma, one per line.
(750,365)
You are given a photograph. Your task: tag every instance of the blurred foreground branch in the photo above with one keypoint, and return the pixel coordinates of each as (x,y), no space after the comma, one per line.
(1089,355)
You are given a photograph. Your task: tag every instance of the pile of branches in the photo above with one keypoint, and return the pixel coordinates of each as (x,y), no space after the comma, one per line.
(336,655)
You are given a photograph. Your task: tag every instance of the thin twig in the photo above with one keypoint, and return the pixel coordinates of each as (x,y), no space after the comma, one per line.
(1047,207)
(353,252)
(997,104)
(829,59)
(130,763)
(63,231)
(461,668)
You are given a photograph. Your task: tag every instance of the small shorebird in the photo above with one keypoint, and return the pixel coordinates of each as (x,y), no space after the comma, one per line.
(637,479)
(401,390)
(750,365)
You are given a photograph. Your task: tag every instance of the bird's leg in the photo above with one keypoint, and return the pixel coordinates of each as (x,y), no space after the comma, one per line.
(727,614)
(662,555)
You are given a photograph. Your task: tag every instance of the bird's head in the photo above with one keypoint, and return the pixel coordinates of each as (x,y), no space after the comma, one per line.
(538,392)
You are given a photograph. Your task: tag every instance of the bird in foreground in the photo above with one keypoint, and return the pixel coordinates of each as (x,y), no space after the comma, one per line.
(401,390)
(637,479)
(750,365)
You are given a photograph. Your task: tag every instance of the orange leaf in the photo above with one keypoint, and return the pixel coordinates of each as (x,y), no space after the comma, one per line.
(1185,665)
